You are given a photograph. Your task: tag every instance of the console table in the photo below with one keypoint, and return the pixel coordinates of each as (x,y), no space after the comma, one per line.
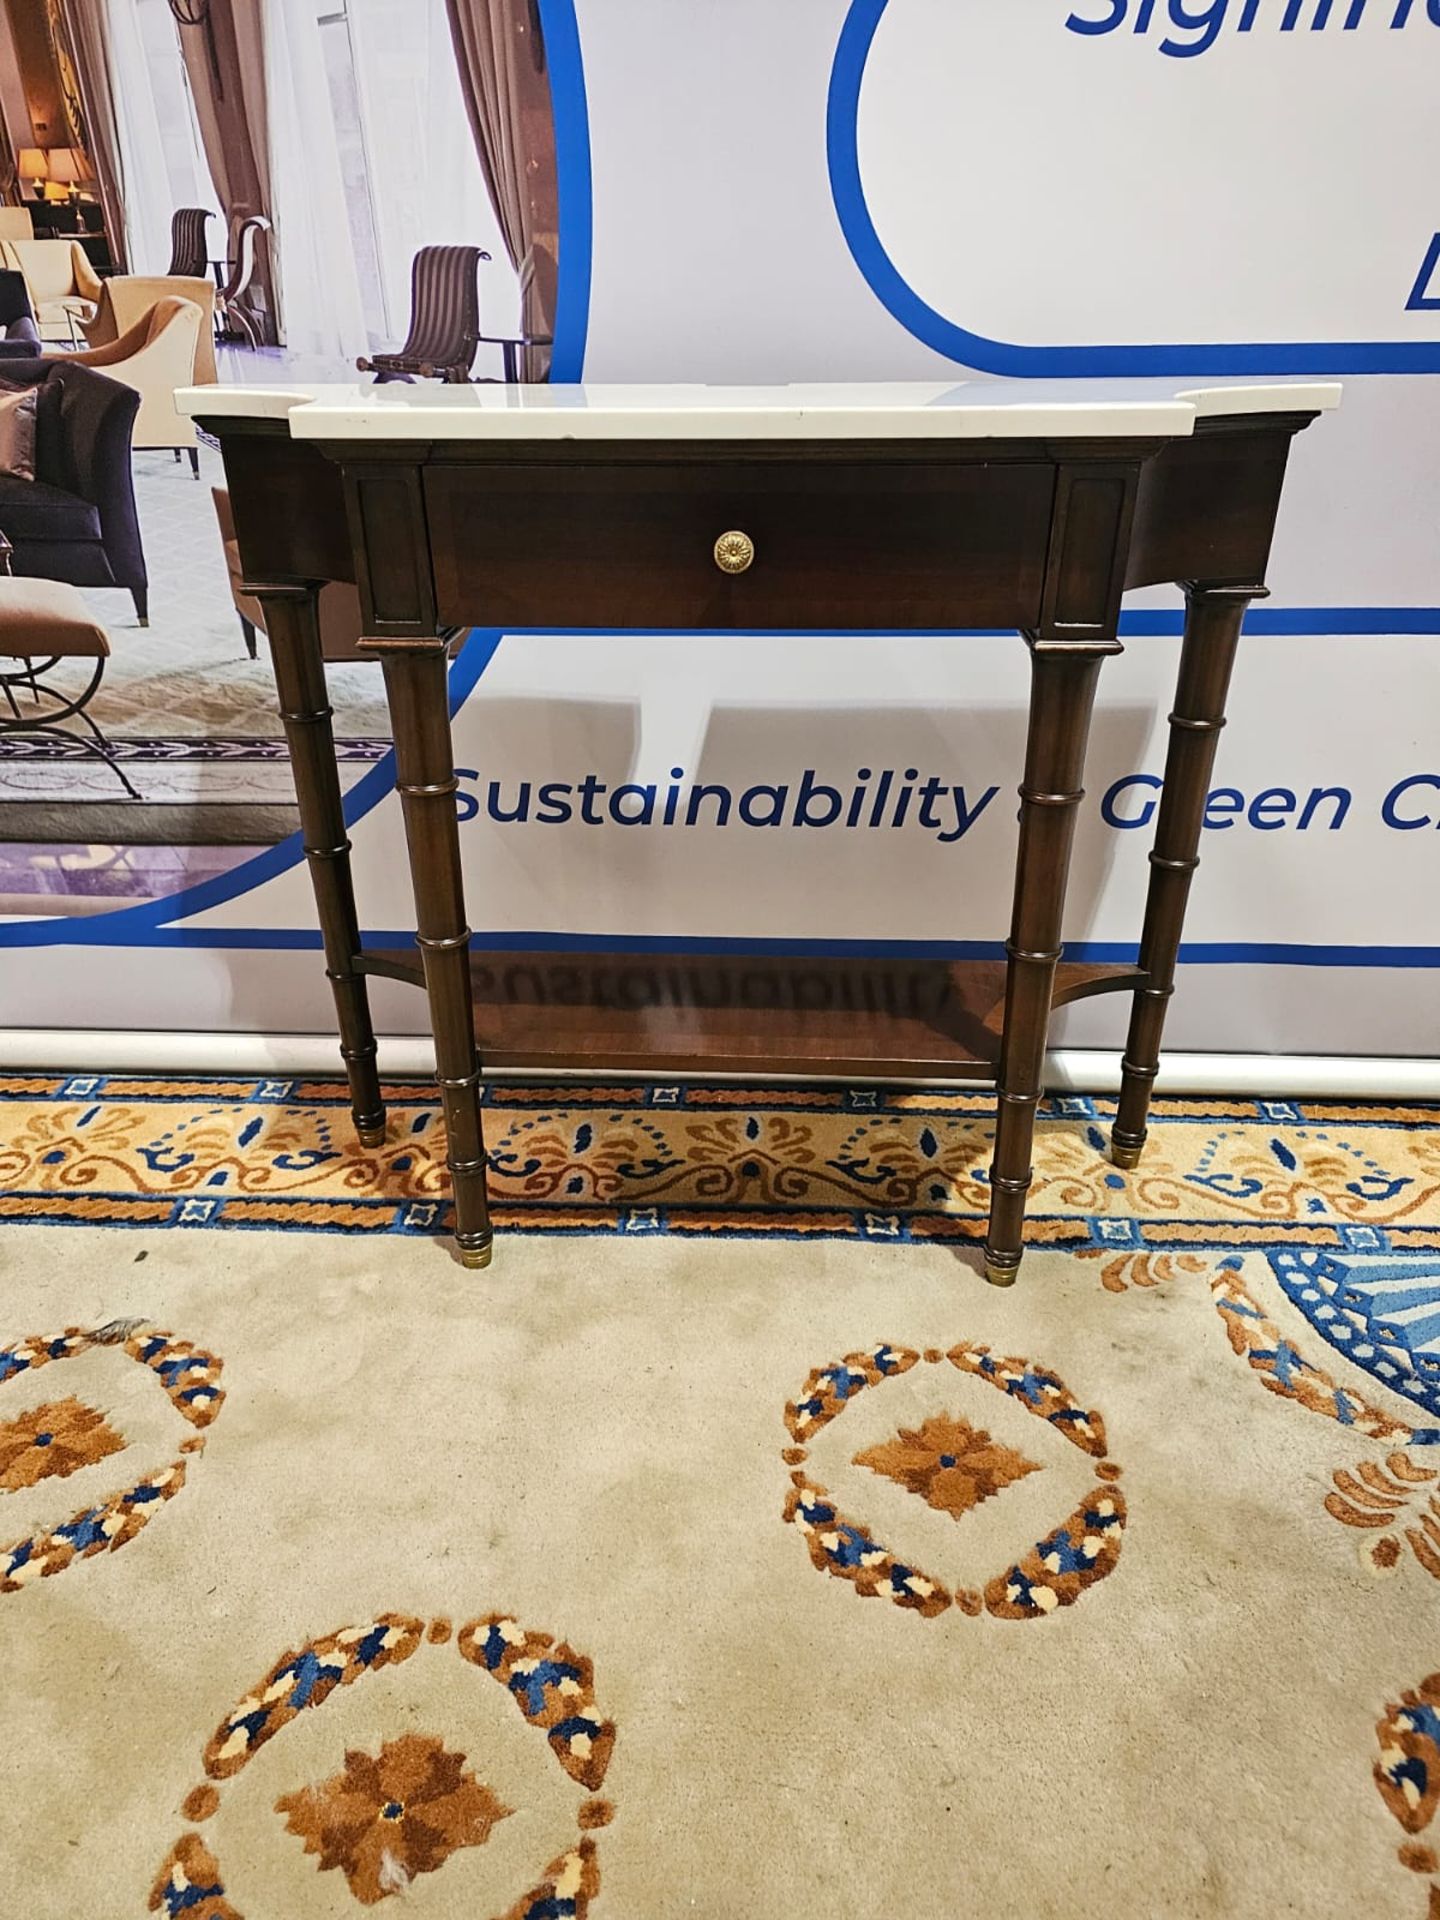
(1031,505)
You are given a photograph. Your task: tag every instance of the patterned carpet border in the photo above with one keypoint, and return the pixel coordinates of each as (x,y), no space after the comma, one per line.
(735,1161)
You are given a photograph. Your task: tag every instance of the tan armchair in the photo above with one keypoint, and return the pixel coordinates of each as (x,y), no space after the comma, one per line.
(64,287)
(16,223)
(155,356)
(126,298)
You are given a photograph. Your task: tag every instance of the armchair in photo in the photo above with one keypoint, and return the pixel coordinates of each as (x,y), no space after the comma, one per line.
(63,285)
(239,316)
(128,298)
(76,520)
(444,319)
(19,336)
(155,356)
(189,253)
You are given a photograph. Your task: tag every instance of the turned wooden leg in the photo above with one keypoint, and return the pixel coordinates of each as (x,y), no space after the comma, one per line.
(1212,629)
(420,720)
(292,620)
(1062,692)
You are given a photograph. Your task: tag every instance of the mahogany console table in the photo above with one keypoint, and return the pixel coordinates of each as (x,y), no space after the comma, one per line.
(1024,504)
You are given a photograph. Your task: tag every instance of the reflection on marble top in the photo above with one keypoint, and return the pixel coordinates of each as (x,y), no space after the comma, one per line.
(911,410)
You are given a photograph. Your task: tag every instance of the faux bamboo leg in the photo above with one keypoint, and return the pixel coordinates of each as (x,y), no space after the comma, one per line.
(292,621)
(420,721)
(1212,629)
(1062,692)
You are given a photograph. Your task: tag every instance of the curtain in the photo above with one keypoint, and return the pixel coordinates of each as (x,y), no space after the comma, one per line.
(225,64)
(425,187)
(139,142)
(16,130)
(162,164)
(501,57)
(83,25)
(322,311)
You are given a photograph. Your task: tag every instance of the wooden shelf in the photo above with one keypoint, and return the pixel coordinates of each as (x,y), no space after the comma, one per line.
(739,1013)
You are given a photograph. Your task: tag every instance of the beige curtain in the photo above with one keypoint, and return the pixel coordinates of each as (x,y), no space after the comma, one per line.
(86,31)
(224,61)
(15,128)
(501,55)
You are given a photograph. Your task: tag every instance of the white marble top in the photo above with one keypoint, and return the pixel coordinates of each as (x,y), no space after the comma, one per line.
(967,409)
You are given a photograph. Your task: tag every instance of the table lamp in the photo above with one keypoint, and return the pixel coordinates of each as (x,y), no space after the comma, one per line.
(69,166)
(31,165)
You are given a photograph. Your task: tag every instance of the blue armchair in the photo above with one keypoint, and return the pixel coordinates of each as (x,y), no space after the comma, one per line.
(76,519)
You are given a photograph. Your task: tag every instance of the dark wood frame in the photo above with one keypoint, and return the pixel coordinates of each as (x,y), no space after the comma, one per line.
(1042,535)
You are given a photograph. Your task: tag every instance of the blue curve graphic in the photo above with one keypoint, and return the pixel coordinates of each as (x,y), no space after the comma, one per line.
(141,926)
(572,159)
(1002,356)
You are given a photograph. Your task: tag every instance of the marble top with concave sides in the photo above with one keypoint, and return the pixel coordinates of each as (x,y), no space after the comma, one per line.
(887,410)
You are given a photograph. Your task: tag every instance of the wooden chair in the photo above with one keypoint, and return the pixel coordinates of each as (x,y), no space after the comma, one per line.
(235,319)
(189,250)
(444,319)
(45,623)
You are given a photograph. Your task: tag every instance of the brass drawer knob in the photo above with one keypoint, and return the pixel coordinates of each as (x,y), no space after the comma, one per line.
(734,551)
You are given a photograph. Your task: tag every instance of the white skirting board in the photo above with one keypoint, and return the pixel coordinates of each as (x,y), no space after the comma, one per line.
(1279,1076)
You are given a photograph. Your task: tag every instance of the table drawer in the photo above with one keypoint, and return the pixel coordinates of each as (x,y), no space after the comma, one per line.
(835,546)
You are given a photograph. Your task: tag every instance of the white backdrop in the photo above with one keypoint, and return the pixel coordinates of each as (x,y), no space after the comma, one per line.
(1264,199)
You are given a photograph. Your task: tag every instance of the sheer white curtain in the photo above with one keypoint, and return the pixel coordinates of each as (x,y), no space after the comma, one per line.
(426,188)
(322,313)
(371,157)
(160,154)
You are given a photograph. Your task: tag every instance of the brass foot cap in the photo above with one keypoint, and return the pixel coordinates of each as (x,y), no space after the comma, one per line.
(372,1136)
(1000,1274)
(1125,1158)
(474,1258)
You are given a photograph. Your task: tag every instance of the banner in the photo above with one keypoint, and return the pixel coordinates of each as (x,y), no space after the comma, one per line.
(922,189)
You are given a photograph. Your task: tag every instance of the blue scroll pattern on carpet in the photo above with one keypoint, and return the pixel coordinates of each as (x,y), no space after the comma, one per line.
(1381,1313)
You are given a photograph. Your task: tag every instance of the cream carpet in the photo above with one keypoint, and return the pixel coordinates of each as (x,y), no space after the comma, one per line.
(660,1577)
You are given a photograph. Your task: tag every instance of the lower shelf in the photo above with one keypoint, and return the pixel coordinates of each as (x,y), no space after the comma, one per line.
(739,1013)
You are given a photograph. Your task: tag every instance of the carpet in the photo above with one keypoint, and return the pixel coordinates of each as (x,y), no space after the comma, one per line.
(858,1163)
(738,1577)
